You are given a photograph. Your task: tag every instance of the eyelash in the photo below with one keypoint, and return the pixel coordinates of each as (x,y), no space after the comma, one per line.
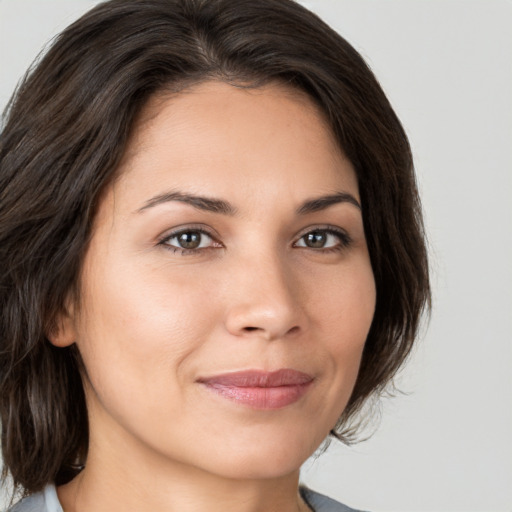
(181,250)
(344,240)
(343,237)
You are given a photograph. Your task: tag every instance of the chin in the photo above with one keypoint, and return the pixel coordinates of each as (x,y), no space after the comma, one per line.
(257,469)
(259,460)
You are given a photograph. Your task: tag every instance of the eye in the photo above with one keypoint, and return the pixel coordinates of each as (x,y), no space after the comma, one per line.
(325,238)
(189,240)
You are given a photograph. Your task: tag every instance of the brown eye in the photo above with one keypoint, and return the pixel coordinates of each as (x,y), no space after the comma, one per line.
(316,239)
(188,240)
(327,239)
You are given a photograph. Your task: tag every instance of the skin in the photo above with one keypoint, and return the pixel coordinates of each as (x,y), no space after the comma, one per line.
(254,295)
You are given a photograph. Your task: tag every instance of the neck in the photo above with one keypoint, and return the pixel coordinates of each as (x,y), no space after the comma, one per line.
(89,491)
(85,493)
(135,480)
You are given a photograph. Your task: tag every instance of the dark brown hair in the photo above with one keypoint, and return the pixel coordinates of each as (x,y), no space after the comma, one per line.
(64,134)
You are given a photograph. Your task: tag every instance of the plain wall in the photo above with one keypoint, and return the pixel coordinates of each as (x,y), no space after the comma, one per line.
(447,68)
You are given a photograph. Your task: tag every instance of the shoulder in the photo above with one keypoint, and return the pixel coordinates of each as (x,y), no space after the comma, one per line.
(33,503)
(44,501)
(320,503)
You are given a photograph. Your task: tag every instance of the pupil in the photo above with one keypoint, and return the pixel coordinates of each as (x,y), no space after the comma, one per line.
(190,240)
(316,239)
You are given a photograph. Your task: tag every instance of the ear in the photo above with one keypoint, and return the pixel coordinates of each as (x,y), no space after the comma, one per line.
(63,333)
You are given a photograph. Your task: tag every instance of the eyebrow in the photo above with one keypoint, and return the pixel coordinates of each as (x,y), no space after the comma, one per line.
(321,203)
(214,205)
(200,202)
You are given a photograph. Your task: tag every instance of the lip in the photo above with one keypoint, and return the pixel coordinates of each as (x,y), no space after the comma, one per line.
(260,389)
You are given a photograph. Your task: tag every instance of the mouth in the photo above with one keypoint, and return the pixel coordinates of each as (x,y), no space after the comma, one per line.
(260,389)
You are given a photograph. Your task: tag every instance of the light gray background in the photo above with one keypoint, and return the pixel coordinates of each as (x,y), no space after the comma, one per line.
(447,68)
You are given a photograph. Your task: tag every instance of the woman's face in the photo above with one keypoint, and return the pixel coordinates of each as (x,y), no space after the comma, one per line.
(227,289)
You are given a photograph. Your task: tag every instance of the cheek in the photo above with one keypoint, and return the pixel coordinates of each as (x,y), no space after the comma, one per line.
(138,328)
(346,304)
(343,314)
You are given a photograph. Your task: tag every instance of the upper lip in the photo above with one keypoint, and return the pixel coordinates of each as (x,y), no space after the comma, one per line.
(259,379)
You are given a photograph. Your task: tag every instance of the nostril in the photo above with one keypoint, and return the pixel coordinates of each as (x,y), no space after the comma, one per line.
(251,329)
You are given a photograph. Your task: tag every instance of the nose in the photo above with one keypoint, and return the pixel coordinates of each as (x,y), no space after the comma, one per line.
(264,300)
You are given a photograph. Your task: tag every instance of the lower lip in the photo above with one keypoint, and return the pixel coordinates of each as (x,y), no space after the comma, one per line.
(261,397)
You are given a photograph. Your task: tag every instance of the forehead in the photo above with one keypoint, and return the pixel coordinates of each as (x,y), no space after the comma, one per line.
(218,138)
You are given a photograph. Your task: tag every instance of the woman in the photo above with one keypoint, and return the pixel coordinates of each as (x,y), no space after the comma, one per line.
(213,257)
